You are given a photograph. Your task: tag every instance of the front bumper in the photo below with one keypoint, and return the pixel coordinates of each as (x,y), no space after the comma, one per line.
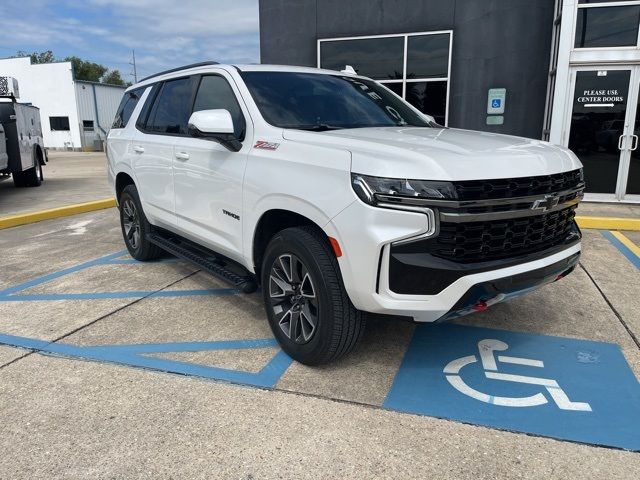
(366,233)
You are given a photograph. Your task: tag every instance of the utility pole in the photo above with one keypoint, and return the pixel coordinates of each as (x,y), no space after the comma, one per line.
(135,72)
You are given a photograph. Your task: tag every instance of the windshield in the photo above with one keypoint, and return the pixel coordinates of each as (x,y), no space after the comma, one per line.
(319,102)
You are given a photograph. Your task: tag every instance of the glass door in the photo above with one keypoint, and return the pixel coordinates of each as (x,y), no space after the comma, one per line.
(599,131)
(632,178)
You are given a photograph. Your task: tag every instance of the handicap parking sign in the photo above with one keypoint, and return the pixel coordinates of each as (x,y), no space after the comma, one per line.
(495,103)
(557,387)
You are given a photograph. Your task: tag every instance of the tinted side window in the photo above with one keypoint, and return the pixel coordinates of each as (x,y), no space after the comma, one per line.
(127,105)
(214,93)
(171,110)
(141,122)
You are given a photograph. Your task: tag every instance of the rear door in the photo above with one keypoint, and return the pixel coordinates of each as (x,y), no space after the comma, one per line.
(152,147)
(122,131)
(208,178)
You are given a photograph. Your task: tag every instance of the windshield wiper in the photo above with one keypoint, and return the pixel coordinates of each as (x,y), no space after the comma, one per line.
(315,127)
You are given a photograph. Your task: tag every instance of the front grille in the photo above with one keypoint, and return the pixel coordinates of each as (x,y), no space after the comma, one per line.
(498,239)
(517,187)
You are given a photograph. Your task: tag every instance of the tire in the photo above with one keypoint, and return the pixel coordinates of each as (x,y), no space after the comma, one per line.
(135,226)
(32,177)
(302,285)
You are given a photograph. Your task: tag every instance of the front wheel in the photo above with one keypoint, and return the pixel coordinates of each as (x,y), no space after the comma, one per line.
(307,306)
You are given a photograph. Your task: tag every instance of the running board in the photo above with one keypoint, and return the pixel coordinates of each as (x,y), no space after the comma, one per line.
(208,261)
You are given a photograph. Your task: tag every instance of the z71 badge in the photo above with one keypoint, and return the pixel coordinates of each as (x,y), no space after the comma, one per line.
(266,145)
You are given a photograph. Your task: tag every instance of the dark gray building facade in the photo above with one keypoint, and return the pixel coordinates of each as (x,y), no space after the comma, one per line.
(566,71)
(456,50)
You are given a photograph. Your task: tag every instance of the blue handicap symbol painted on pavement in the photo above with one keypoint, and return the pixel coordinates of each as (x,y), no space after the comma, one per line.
(557,387)
(495,103)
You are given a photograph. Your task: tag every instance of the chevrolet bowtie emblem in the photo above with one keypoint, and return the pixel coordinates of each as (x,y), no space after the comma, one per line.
(546,203)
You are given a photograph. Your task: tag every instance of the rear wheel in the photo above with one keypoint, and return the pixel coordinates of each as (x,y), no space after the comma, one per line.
(135,226)
(307,306)
(32,177)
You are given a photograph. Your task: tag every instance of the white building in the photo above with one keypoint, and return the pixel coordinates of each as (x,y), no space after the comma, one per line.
(75,114)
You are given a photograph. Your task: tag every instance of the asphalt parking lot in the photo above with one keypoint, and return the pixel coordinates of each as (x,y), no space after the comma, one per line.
(113,368)
(69,178)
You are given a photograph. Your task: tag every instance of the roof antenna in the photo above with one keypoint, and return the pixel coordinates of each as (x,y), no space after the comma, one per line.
(349,69)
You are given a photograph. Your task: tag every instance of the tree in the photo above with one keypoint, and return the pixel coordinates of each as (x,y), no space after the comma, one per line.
(82,69)
(86,70)
(37,57)
(113,77)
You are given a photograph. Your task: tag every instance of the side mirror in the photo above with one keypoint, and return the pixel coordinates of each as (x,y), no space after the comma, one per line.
(216,125)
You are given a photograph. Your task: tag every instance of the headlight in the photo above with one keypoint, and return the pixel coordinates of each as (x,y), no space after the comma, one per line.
(377,190)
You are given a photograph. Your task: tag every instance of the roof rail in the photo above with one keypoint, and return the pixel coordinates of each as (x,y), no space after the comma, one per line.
(193,65)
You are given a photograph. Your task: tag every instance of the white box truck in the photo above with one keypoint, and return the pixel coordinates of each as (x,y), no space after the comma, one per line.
(22,152)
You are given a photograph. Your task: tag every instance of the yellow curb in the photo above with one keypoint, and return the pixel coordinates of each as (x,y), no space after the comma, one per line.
(627,243)
(609,223)
(32,217)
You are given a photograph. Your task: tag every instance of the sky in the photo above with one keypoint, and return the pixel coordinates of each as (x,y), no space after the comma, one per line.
(164,33)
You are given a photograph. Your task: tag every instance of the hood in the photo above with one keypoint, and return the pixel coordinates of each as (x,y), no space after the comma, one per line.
(441,153)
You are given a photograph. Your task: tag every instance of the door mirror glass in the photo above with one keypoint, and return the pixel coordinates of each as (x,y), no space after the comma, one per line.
(208,122)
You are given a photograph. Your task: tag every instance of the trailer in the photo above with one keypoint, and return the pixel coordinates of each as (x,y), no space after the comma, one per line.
(22,152)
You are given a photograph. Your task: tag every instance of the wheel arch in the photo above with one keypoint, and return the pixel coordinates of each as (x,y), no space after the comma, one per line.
(39,155)
(122,180)
(270,223)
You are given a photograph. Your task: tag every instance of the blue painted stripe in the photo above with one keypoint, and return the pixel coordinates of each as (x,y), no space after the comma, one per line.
(632,257)
(133,261)
(23,342)
(267,377)
(48,297)
(52,276)
(190,346)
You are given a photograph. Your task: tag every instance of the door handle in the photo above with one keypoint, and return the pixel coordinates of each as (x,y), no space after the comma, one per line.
(634,142)
(620,142)
(182,155)
(138,149)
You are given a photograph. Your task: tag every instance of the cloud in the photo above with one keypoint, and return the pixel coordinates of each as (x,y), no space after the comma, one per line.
(164,33)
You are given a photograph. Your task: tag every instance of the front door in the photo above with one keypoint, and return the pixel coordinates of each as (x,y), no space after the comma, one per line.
(602,131)
(208,178)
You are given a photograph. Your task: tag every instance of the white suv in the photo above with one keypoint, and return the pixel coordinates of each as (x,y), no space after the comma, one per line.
(337,198)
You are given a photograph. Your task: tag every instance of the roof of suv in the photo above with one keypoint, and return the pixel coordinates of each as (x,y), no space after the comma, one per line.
(244,68)
(286,68)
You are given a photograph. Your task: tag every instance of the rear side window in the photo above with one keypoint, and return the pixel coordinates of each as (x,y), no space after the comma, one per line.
(127,105)
(172,108)
(215,92)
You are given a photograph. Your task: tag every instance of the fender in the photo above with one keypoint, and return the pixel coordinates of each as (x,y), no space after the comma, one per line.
(276,202)
(44,158)
(114,170)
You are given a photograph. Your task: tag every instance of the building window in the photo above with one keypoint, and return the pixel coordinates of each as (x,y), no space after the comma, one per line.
(87,125)
(59,124)
(378,58)
(415,66)
(601,25)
